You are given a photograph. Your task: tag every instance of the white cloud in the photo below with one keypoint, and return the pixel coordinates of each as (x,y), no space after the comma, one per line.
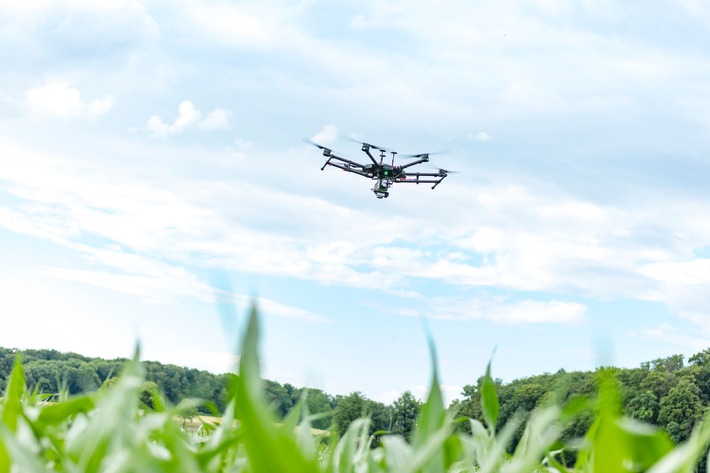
(538,312)
(682,273)
(497,310)
(326,244)
(667,333)
(274,308)
(327,135)
(217,119)
(234,24)
(155,289)
(481,136)
(187,115)
(99,107)
(518,240)
(58,99)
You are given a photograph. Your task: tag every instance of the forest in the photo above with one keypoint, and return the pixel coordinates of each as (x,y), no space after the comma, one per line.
(668,392)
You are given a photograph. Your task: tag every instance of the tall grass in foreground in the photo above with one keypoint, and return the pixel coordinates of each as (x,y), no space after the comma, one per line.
(106,431)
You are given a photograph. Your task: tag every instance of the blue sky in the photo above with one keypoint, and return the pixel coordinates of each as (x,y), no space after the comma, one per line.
(153,180)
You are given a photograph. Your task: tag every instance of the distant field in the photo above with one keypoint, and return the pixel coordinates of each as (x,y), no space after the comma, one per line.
(194,424)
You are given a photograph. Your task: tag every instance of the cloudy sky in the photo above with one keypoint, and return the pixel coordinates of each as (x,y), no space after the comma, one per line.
(153,180)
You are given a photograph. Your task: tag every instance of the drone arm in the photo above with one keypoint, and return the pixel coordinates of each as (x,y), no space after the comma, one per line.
(366,149)
(423,159)
(347,162)
(349,169)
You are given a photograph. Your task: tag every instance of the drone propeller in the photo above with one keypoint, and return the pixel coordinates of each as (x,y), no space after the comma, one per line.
(313,143)
(380,148)
(444,172)
(421,155)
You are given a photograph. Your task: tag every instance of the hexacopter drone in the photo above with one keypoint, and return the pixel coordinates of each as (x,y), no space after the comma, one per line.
(384,174)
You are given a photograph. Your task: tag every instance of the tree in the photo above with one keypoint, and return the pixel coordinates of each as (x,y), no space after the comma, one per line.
(699,359)
(405,414)
(348,409)
(527,396)
(279,398)
(321,404)
(659,383)
(668,364)
(82,379)
(46,376)
(187,414)
(380,416)
(644,407)
(701,375)
(148,390)
(680,410)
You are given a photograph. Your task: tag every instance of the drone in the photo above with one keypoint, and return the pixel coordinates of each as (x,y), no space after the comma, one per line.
(384,174)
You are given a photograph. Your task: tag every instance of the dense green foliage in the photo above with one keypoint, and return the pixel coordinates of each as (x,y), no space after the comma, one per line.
(50,371)
(128,426)
(665,392)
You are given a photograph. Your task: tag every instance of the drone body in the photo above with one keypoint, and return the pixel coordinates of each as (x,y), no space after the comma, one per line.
(384,174)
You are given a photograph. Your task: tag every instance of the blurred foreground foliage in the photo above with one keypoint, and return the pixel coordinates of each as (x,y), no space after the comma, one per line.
(128,425)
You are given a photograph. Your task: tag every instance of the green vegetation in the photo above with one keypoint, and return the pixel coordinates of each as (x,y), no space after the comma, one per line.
(550,423)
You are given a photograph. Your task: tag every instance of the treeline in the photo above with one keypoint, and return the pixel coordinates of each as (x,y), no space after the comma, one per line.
(51,371)
(666,392)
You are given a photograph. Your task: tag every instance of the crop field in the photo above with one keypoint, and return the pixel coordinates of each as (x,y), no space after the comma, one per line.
(109,431)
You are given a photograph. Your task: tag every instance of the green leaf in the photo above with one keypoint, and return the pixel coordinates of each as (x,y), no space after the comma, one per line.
(92,439)
(63,411)
(489,400)
(13,396)
(22,458)
(432,415)
(269,448)
(12,408)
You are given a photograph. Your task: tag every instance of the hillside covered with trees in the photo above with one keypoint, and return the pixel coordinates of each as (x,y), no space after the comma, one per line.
(51,371)
(667,392)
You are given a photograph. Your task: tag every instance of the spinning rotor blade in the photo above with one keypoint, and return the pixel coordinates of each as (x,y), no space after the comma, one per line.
(365,143)
(446,171)
(421,155)
(313,143)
